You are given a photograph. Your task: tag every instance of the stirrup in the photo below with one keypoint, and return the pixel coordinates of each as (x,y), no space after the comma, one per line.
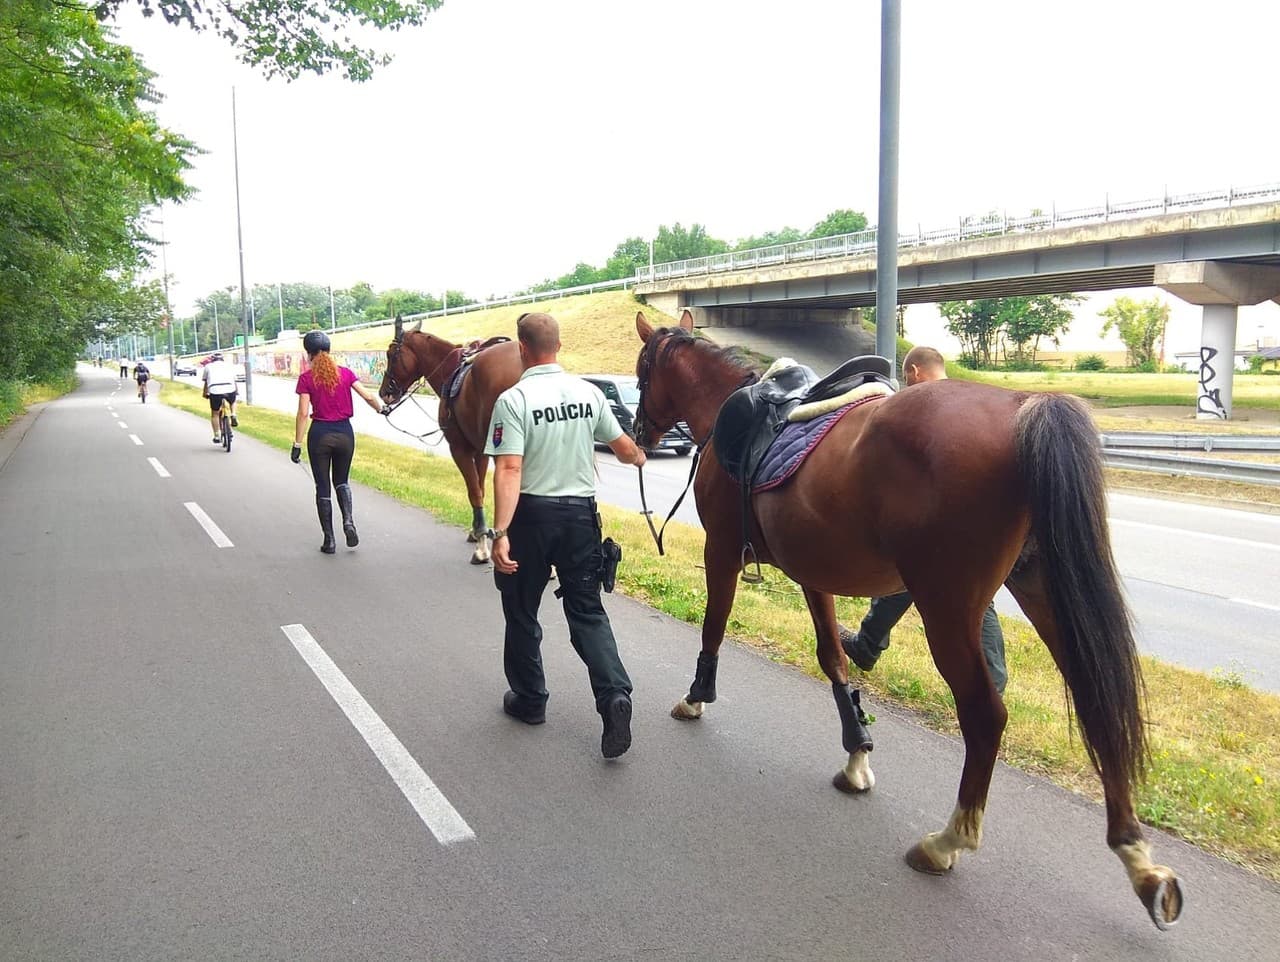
(750,577)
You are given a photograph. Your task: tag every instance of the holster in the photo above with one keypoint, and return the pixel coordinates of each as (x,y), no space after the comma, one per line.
(610,555)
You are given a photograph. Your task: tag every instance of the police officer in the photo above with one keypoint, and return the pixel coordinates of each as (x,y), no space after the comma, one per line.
(542,438)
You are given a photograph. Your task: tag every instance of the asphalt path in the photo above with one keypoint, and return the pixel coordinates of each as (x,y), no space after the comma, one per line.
(1200,579)
(256,751)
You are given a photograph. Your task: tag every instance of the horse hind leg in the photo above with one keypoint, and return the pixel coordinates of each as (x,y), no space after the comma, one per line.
(953,630)
(722,585)
(474,469)
(1156,886)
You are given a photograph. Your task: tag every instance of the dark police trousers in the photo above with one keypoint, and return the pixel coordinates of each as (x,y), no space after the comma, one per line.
(563,532)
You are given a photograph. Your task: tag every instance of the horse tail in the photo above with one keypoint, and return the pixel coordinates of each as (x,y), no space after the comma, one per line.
(1061,464)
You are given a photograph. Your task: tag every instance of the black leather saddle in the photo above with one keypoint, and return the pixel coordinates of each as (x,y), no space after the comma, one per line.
(466,356)
(752,417)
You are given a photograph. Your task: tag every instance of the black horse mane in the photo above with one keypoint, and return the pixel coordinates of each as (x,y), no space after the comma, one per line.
(732,354)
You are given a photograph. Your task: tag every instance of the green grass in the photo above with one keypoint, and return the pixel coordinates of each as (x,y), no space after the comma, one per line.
(1125,390)
(17,396)
(1214,777)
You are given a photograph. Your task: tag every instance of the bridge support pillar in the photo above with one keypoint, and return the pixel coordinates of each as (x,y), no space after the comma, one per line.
(1219,288)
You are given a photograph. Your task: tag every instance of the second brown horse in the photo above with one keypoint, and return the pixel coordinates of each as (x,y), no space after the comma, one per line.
(464,420)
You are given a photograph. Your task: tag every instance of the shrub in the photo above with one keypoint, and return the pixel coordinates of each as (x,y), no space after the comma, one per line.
(1090,362)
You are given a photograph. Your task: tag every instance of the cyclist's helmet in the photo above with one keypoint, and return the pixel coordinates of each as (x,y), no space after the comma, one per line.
(215,356)
(314,342)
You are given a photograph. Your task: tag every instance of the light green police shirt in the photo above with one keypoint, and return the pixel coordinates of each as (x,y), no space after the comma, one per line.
(552,420)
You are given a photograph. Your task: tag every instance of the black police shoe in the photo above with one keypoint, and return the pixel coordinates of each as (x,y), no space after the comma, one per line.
(857,652)
(616,738)
(516,707)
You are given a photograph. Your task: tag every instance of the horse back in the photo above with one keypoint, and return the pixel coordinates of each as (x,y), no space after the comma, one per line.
(493,371)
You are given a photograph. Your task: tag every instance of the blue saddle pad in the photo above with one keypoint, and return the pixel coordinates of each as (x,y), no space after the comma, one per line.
(793,444)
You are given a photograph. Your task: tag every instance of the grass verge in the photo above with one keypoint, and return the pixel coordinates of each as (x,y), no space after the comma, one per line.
(16,396)
(1214,777)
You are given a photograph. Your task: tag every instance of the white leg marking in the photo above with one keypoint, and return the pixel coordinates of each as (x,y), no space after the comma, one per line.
(961,833)
(687,709)
(858,771)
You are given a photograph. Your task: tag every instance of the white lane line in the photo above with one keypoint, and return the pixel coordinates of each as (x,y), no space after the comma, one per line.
(1184,506)
(122,424)
(206,522)
(114,415)
(1181,532)
(155,463)
(136,440)
(1255,604)
(428,801)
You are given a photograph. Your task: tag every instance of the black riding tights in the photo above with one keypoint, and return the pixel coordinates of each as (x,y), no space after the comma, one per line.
(330,447)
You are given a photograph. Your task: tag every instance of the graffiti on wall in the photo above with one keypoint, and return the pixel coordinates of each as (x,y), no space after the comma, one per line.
(1210,399)
(368,365)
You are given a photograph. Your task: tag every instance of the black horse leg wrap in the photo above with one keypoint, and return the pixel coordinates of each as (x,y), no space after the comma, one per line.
(853,720)
(704,679)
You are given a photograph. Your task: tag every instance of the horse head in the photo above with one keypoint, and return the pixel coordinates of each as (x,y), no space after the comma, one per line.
(656,413)
(402,365)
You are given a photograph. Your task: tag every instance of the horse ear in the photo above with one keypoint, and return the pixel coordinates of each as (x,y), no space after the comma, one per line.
(399,328)
(686,320)
(417,326)
(643,327)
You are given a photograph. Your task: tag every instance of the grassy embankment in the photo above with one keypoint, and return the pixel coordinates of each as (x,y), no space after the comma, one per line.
(16,397)
(1215,772)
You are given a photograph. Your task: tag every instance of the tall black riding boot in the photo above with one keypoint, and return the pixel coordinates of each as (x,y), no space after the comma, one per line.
(348,516)
(324,508)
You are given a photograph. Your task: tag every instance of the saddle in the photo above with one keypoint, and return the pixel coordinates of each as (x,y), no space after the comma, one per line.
(463,357)
(752,418)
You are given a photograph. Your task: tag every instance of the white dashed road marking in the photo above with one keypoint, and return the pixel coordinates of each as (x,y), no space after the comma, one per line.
(1255,604)
(206,522)
(122,424)
(428,801)
(160,470)
(135,439)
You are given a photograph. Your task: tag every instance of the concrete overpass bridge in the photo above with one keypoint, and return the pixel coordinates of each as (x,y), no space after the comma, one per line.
(1217,249)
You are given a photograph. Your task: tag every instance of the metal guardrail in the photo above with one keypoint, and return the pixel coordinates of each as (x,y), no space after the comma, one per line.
(1192,442)
(1268,474)
(986,225)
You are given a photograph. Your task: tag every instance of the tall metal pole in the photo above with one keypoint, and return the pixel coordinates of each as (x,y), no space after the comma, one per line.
(217,332)
(280,303)
(887,227)
(333,317)
(244,314)
(168,311)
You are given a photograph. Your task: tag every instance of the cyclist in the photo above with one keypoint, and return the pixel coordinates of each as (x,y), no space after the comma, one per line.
(219,385)
(141,374)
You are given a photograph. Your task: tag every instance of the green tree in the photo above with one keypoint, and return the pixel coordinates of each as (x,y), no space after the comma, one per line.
(630,256)
(976,325)
(285,37)
(1026,320)
(770,238)
(842,221)
(82,160)
(1140,324)
(674,243)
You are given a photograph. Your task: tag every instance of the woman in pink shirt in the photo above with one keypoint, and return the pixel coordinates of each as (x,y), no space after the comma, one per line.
(324,391)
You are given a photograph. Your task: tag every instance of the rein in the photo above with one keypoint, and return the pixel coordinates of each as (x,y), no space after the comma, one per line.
(413,389)
(648,515)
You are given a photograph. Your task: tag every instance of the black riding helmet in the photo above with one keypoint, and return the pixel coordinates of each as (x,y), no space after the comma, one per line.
(314,342)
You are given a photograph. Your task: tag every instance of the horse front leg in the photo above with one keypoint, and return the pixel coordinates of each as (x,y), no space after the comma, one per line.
(722,585)
(856,776)
(953,629)
(473,468)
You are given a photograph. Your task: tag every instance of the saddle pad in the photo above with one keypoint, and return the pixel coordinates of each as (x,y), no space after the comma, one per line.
(806,412)
(793,444)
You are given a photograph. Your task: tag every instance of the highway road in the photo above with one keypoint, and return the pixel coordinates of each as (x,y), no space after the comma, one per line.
(1201,580)
(221,744)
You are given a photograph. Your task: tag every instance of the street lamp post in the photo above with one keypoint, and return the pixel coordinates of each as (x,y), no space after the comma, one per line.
(244,318)
(168,310)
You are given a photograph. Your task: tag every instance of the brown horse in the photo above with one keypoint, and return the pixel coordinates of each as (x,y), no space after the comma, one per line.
(464,421)
(948,489)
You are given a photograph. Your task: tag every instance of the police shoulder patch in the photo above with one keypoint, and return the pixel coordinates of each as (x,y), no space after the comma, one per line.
(497,434)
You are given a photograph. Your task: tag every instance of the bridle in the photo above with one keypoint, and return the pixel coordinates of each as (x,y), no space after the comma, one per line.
(643,421)
(390,382)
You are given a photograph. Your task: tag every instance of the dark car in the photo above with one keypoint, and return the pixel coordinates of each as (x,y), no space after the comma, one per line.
(622,391)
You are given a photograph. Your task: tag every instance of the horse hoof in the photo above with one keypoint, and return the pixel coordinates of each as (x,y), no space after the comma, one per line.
(919,859)
(856,777)
(687,711)
(1161,893)
(841,781)
(479,559)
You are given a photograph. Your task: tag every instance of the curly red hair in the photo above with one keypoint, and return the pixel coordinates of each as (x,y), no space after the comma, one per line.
(324,372)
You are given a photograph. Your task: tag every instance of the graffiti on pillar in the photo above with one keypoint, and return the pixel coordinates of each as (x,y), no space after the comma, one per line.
(1210,399)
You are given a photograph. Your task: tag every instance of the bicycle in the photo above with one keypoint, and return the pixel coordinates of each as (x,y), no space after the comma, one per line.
(224,422)
(142,390)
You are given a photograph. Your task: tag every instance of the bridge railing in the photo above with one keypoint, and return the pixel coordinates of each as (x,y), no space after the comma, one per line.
(993,224)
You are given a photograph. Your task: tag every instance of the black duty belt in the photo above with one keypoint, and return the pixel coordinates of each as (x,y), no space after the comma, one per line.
(561,499)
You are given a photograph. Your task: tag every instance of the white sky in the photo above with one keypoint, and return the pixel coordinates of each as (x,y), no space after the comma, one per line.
(512,139)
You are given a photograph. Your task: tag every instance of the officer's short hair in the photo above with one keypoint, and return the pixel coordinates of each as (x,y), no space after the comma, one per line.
(539,332)
(924,357)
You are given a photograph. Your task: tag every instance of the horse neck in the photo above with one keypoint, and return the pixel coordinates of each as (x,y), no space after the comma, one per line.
(703,381)
(430,353)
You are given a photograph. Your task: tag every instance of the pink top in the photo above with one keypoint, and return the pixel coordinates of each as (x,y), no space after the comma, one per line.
(325,406)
